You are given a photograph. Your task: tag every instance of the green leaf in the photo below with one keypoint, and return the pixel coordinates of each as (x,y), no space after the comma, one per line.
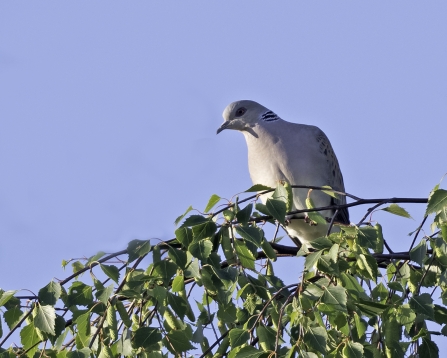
(360,325)
(244,254)
(138,248)
(238,337)
(243,215)
(392,333)
(418,253)
(192,270)
(228,215)
(428,349)
(49,294)
(79,294)
(277,209)
(194,220)
(268,250)
(330,192)
(81,353)
(258,187)
(314,216)
(6,296)
(327,264)
(397,210)
(437,201)
(146,337)
(227,313)
(103,294)
(440,314)
(354,288)
(308,355)
(95,257)
(29,338)
(267,337)
(334,297)
(177,341)
(316,338)
(405,315)
(251,234)
(371,308)
(353,350)
(227,247)
(59,327)
(178,304)
(281,194)
(178,284)
(201,249)
(368,238)
(111,272)
(180,218)
(247,352)
(12,316)
(83,326)
(124,345)
(184,236)
(179,257)
(204,231)
(262,209)
(213,201)
(165,269)
(423,304)
(77,266)
(312,259)
(45,318)
(368,266)
(321,243)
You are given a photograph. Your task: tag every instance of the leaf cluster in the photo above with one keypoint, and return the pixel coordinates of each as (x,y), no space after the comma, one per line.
(213,289)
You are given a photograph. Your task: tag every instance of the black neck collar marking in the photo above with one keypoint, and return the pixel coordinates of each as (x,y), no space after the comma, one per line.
(269,116)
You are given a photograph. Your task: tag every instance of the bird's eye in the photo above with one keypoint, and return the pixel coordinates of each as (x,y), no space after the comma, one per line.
(240,111)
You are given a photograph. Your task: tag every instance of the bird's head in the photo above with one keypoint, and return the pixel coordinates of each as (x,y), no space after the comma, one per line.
(242,115)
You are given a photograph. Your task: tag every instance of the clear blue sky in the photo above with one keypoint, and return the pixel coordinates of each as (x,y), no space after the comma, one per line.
(109,111)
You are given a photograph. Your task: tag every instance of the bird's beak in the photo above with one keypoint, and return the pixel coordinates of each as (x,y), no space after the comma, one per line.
(223,126)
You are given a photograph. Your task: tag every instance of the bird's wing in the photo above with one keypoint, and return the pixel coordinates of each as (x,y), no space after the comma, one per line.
(334,175)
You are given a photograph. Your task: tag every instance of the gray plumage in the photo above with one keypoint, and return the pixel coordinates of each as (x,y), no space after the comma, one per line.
(297,153)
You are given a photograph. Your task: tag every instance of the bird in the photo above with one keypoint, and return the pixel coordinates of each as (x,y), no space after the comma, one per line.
(299,154)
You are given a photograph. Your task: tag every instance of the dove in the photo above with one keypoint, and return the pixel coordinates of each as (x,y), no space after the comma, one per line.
(299,154)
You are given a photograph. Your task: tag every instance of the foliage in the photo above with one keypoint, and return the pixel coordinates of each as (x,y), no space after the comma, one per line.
(213,290)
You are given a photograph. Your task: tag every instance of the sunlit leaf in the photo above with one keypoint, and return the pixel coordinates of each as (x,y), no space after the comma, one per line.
(397,210)
(258,187)
(213,201)
(244,254)
(180,218)
(45,318)
(437,201)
